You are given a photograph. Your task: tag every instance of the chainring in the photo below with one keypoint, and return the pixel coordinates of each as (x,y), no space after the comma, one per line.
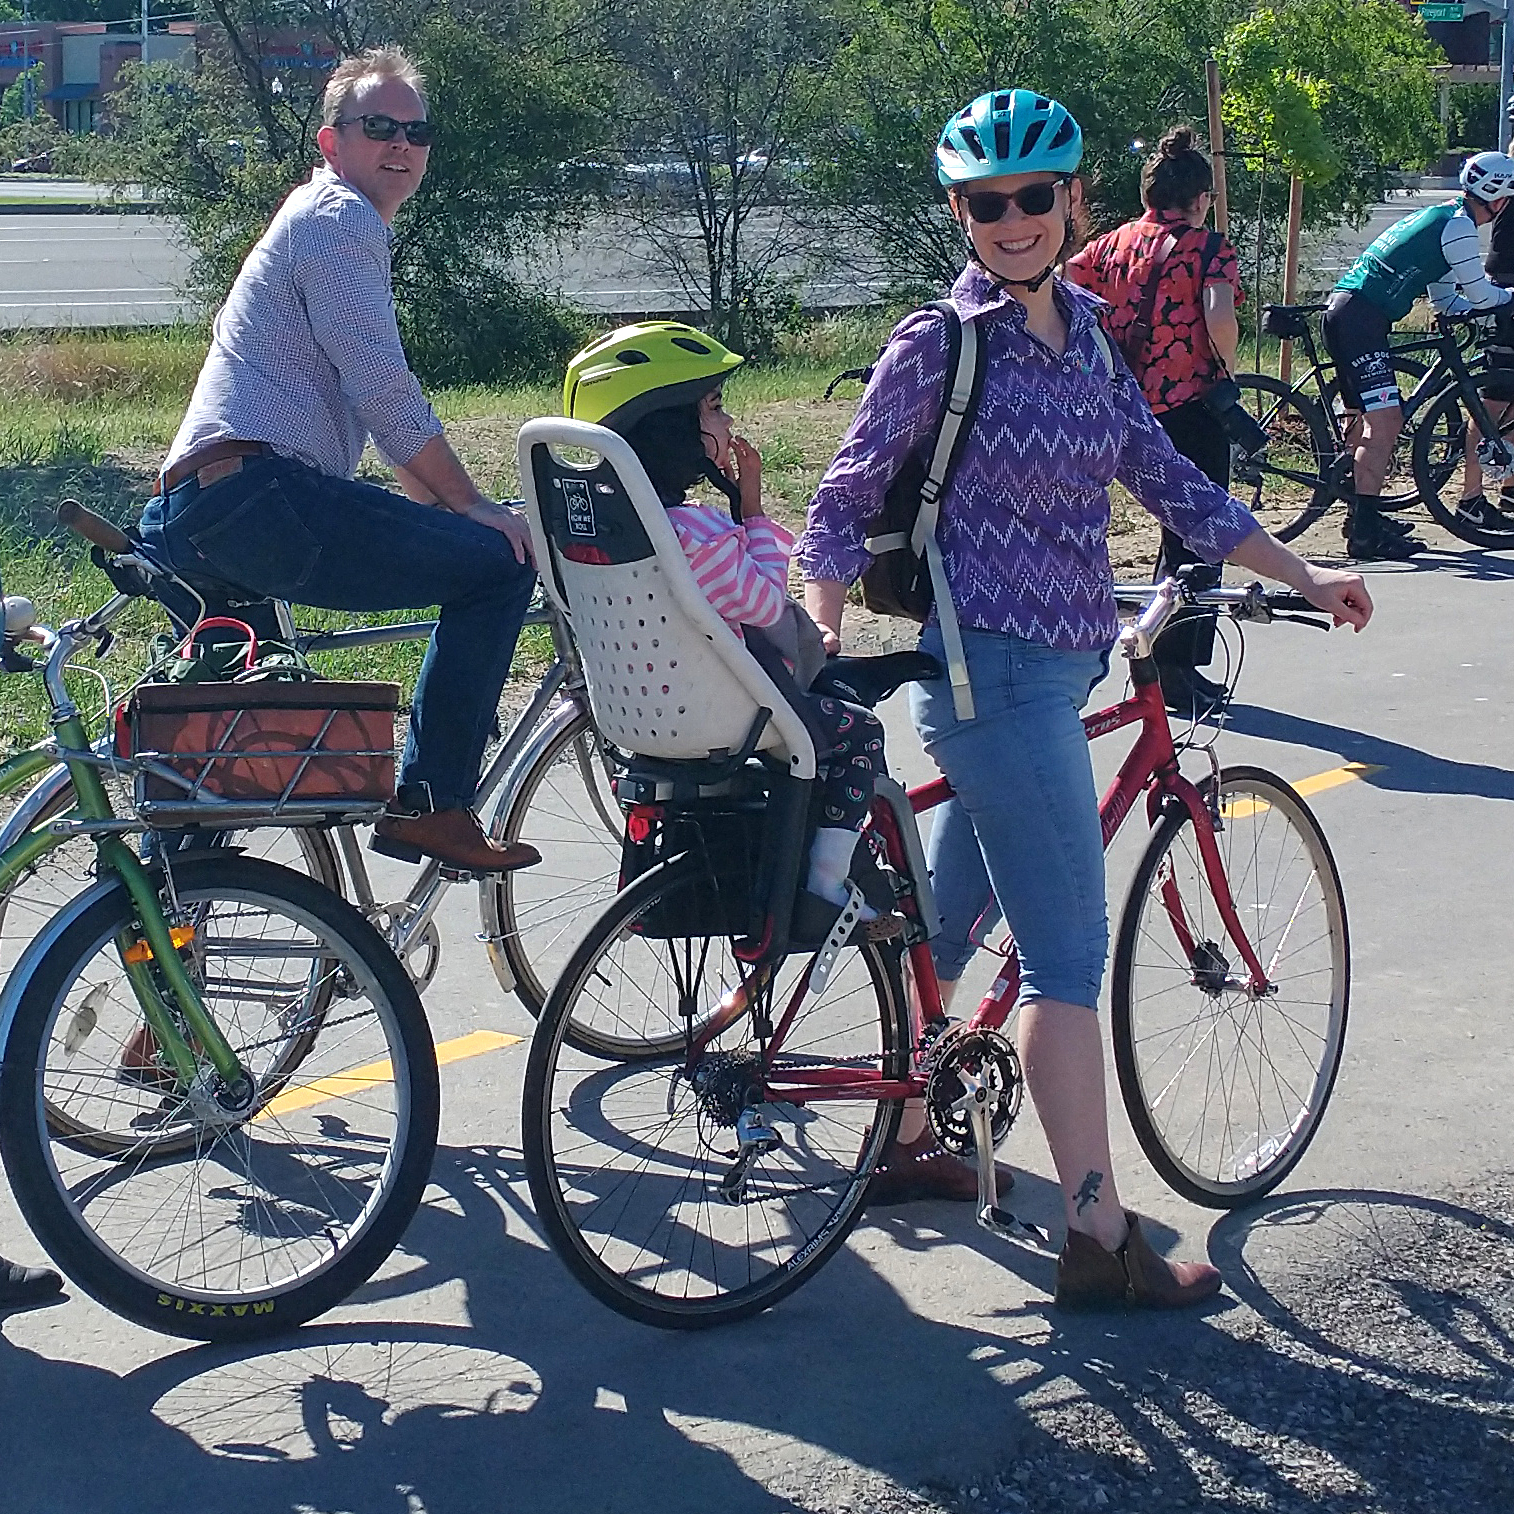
(960,1062)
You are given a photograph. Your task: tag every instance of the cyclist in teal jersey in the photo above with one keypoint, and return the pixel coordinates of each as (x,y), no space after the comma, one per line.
(1435,252)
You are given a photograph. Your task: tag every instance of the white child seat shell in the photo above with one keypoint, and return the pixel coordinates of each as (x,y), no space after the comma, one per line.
(667,677)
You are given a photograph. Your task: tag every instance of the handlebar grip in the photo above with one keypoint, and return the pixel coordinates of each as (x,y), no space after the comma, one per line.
(93,528)
(1286,599)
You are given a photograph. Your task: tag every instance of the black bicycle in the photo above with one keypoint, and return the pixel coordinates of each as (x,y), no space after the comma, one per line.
(1307,464)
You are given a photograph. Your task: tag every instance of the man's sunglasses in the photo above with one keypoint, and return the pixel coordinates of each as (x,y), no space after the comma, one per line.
(386,128)
(986,206)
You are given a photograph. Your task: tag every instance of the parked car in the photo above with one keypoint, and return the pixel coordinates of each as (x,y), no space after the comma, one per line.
(41,162)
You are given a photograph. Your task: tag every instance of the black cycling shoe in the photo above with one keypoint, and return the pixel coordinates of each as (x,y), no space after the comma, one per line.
(1481,513)
(1383,546)
(1186,692)
(20,1286)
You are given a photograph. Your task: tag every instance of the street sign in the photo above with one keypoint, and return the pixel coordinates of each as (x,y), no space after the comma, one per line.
(1434,12)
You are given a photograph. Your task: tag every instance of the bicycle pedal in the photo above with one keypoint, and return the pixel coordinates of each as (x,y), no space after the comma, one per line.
(1010,1227)
(463,875)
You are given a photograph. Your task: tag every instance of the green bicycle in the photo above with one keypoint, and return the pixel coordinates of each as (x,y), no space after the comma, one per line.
(218,1093)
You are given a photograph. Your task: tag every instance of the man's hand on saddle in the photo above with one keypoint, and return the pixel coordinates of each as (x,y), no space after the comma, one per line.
(510,524)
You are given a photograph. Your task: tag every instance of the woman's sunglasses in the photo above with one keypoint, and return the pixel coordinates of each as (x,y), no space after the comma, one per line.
(986,206)
(386,128)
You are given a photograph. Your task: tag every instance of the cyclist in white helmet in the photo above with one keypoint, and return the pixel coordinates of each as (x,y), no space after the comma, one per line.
(1435,251)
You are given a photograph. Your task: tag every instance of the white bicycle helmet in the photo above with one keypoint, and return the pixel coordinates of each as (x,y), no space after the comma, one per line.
(1489,176)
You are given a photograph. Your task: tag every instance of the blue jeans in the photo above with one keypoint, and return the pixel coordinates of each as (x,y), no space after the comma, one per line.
(285,530)
(1024,827)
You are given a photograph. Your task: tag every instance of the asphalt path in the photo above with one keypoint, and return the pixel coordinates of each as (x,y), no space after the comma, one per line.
(474,1374)
(107,270)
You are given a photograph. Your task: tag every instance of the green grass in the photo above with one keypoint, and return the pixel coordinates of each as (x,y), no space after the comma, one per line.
(89,415)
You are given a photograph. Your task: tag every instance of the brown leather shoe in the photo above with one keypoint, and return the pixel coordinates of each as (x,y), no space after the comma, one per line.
(922,1170)
(454,837)
(1089,1277)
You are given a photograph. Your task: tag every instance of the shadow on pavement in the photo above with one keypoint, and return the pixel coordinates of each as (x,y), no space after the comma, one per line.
(546,1401)
(1404,768)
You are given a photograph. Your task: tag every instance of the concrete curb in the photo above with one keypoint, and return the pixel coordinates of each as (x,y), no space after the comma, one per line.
(78,208)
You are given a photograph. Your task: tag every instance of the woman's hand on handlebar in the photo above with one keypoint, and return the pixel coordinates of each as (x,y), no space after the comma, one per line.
(1341,595)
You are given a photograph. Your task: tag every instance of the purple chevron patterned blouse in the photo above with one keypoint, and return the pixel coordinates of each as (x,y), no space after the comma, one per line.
(1024,524)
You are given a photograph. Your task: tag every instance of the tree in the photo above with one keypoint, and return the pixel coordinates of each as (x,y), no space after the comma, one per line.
(716,97)
(220,148)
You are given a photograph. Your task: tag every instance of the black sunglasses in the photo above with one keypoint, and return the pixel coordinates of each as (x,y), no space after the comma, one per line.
(986,206)
(386,128)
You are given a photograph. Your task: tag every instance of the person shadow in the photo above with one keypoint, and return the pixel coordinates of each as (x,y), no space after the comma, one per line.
(545,1400)
(1401,768)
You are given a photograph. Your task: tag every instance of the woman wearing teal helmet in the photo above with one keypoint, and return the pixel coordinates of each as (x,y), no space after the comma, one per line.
(1022,527)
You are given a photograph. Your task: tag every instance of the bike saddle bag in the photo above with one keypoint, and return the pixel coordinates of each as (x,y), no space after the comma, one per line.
(1286,322)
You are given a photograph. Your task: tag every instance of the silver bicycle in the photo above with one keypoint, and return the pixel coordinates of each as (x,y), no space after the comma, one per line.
(547,783)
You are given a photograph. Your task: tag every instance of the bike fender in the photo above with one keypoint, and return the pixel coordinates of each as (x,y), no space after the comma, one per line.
(548,730)
(42,942)
(34,805)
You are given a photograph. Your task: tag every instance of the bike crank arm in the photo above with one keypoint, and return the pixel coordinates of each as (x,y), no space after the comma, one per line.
(997,1221)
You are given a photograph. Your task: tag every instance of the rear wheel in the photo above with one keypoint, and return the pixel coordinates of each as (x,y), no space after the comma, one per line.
(204,1218)
(638,1170)
(1439,447)
(1226,1088)
(1285,487)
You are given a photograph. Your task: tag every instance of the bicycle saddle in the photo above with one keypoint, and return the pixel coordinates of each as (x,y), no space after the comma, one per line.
(870,680)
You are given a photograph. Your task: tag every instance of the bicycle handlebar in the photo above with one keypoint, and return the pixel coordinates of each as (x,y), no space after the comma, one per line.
(104,534)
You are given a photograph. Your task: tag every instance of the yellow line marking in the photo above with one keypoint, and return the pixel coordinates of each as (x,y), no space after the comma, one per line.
(344,1084)
(1333,779)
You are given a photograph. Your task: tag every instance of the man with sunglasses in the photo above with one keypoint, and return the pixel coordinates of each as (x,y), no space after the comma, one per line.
(258,490)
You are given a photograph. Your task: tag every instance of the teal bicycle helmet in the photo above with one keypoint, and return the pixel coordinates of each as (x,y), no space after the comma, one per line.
(1008,131)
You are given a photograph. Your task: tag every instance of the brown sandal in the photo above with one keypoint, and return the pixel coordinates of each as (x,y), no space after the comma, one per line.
(1089,1277)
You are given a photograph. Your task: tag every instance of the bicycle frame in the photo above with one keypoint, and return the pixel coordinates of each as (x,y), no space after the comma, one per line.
(1150,767)
(92,812)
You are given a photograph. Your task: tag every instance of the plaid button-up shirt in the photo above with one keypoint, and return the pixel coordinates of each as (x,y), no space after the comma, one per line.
(306,354)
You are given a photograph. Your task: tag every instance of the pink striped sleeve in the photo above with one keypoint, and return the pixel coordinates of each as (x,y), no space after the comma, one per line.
(744,589)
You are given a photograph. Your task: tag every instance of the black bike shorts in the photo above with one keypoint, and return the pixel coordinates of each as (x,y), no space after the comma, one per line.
(1356,336)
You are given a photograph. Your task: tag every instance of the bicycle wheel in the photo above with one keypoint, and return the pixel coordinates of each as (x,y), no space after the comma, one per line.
(266,1217)
(63,873)
(1225,1090)
(634,1166)
(1299,444)
(1400,490)
(561,804)
(1439,446)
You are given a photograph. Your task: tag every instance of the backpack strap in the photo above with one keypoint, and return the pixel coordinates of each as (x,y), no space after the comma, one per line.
(957,418)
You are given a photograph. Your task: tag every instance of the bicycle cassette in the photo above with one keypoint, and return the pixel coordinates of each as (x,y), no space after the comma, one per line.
(969,1069)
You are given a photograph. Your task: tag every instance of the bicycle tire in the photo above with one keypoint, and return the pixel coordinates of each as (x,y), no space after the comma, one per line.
(530,917)
(36,896)
(1439,443)
(1400,489)
(565,1107)
(1300,441)
(256,1183)
(1151,963)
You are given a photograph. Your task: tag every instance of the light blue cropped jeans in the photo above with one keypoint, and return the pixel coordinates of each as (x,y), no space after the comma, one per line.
(1024,827)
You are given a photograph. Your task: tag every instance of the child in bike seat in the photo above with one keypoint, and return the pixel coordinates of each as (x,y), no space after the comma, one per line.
(658,384)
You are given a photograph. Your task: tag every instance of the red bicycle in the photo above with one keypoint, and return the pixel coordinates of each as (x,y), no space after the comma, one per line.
(702,1181)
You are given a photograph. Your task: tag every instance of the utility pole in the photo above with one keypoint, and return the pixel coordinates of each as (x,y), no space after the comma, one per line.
(1505,72)
(28,102)
(144,31)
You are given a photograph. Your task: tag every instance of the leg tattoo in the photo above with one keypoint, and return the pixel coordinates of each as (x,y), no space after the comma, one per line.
(1089,1192)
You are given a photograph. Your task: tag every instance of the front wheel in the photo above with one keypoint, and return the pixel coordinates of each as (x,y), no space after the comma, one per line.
(1439,447)
(1285,487)
(188,1212)
(1226,1088)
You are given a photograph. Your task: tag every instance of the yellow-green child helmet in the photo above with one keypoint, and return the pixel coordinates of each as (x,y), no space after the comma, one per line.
(651,365)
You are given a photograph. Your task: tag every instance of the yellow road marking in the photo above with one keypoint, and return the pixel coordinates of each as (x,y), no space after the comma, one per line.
(343,1084)
(1333,779)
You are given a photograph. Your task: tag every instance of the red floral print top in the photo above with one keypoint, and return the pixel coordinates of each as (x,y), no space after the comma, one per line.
(1181,365)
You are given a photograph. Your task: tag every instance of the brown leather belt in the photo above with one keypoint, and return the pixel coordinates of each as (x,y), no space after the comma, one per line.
(219,460)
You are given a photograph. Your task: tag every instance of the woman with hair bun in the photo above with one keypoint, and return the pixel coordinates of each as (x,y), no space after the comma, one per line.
(1178,350)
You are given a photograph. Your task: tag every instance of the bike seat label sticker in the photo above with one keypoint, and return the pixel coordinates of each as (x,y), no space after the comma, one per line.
(580,506)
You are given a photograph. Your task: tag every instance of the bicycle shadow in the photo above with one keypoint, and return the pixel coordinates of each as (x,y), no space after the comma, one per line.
(1403,768)
(546,1401)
